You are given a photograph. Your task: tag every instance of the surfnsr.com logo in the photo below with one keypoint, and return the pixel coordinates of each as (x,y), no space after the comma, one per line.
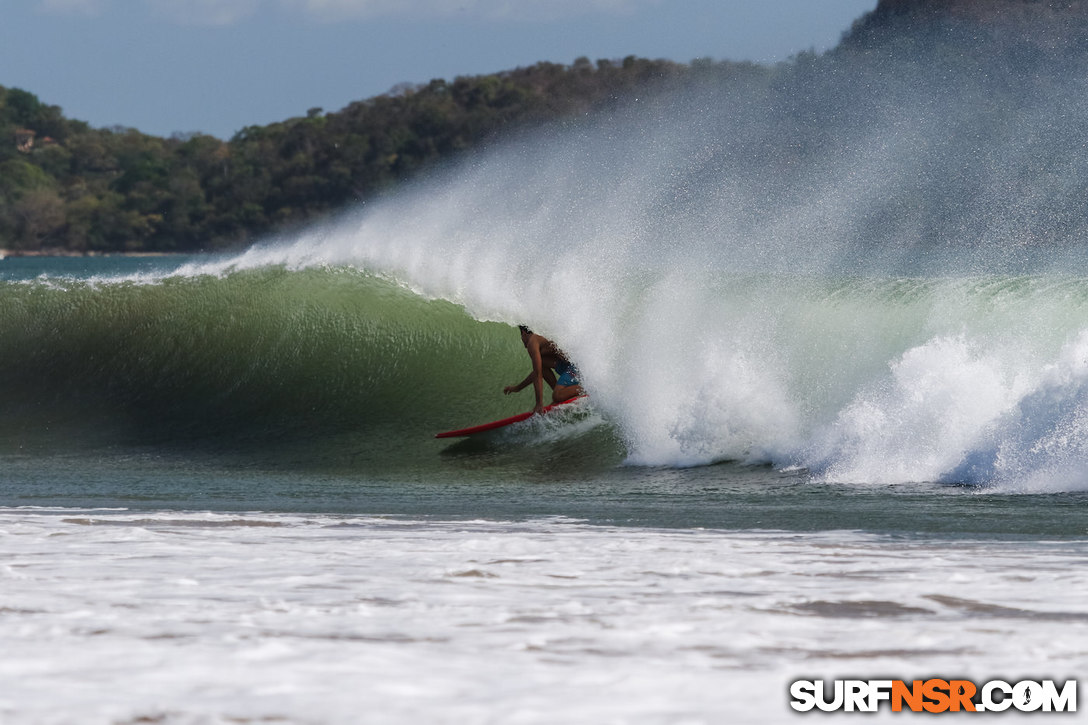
(934,696)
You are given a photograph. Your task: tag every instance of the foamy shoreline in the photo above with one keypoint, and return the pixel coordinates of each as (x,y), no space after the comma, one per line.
(209,618)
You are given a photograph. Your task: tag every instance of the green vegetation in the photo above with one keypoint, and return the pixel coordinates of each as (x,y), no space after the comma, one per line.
(988,96)
(66,186)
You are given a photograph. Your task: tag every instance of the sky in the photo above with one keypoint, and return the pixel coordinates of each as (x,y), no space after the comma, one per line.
(217,66)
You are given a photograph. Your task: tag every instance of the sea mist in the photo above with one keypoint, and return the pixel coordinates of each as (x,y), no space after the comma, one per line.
(868,263)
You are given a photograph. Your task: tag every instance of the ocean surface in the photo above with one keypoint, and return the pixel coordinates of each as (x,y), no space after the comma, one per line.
(832,320)
(221,500)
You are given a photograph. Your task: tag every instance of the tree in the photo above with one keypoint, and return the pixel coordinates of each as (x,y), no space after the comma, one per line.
(118,189)
(40,216)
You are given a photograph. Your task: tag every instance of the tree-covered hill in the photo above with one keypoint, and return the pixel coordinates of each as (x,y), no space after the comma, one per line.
(941,122)
(67,186)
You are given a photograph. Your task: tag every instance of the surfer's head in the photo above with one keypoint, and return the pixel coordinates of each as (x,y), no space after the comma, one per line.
(525,334)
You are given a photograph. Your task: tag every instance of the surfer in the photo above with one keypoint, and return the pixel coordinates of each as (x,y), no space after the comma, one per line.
(546,357)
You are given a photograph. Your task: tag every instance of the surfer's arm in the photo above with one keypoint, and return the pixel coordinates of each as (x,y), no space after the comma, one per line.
(538,372)
(520,386)
(539,375)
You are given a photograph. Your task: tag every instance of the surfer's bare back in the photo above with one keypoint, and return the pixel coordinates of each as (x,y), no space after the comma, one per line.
(550,366)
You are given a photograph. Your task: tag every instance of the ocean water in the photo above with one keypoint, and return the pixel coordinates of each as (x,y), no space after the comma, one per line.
(221,500)
(833,325)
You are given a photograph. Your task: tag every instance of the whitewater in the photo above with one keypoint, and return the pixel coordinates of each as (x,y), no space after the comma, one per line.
(834,331)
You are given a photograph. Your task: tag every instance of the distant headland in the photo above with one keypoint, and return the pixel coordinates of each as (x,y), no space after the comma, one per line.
(68,188)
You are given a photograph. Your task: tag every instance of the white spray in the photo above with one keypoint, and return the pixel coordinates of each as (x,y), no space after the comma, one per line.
(736,284)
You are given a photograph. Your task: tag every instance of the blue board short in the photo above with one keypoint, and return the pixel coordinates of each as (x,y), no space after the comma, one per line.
(567,374)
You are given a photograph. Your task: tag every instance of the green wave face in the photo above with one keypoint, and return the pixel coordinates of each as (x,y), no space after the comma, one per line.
(886,380)
(263,357)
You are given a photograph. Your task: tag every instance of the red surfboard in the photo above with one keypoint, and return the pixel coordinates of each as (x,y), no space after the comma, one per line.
(500,423)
